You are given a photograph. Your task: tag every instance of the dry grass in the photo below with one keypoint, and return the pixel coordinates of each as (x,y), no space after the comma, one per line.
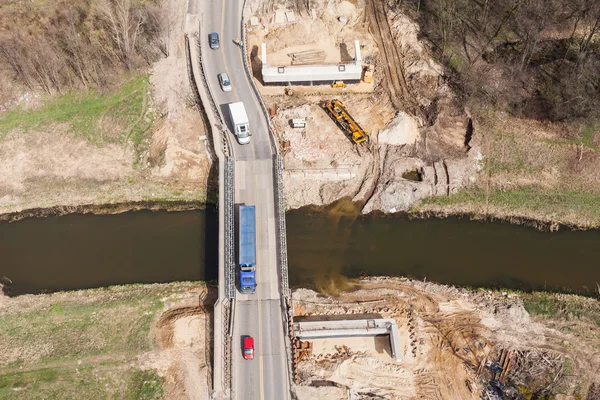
(92,148)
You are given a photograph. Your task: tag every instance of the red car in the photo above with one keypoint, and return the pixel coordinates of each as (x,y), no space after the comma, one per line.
(248,348)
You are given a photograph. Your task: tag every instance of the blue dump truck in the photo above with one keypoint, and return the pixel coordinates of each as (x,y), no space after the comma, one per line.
(247,250)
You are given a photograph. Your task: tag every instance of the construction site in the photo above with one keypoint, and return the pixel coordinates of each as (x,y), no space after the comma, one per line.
(452,344)
(361,109)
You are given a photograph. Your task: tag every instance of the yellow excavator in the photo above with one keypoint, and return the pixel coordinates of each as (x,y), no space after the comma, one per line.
(337,111)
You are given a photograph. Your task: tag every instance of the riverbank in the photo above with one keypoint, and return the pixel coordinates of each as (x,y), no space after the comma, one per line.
(142,141)
(537,172)
(124,341)
(103,209)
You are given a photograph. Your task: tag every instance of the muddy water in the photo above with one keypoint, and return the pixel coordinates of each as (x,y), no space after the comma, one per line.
(84,251)
(326,246)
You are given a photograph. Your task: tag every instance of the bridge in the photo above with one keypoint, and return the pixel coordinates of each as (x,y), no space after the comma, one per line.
(250,174)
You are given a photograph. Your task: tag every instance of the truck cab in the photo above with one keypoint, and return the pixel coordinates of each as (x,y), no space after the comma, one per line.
(248,282)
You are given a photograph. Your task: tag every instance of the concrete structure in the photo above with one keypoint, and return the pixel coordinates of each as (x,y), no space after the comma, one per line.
(307,330)
(312,74)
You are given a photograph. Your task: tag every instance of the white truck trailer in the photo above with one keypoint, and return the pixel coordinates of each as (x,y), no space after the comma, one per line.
(239,120)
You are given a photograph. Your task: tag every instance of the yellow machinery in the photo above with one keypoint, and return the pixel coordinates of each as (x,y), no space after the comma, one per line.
(338,84)
(337,111)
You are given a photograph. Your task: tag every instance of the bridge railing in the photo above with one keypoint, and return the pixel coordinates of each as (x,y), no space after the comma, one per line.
(229,227)
(283,260)
(222,381)
(229,184)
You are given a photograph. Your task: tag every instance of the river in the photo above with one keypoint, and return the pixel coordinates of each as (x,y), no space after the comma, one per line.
(84,251)
(325,247)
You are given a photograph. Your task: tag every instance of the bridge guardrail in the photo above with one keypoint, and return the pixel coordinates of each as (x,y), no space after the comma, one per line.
(229,186)
(227,378)
(283,260)
(223,148)
(229,205)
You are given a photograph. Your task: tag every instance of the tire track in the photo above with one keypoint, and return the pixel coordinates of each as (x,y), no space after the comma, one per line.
(379,27)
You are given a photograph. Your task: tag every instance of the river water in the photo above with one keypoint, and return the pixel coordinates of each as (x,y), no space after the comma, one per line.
(84,251)
(325,247)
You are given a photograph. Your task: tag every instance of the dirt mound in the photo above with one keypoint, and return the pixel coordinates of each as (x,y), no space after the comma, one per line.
(403,129)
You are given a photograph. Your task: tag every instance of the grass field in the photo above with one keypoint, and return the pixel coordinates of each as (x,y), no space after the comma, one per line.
(87,381)
(567,206)
(574,315)
(82,344)
(117,116)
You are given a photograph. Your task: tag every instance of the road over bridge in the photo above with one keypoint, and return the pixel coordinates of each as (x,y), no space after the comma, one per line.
(255,168)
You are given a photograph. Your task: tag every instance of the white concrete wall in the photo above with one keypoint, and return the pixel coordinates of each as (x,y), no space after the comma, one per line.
(351,328)
(312,73)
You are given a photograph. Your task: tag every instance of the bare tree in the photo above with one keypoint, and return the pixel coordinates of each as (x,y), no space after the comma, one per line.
(124,20)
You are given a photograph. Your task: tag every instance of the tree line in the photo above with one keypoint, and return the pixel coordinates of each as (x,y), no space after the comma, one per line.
(540,58)
(69,44)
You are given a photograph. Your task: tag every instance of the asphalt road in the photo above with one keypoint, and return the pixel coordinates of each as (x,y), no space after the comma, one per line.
(258,315)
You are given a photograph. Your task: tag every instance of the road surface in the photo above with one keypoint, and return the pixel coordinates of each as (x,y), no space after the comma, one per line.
(258,315)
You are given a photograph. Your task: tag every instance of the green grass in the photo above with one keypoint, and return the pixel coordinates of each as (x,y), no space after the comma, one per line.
(145,385)
(588,136)
(107,381)
(117,116)
(73,330)
(455,63)
(465,196)
(541,201)
(566,307)
(586,140)
(554,201)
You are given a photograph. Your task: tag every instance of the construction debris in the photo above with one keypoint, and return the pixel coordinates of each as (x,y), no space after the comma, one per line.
(307,57)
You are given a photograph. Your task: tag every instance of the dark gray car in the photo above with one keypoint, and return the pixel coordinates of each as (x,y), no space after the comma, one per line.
(213,39)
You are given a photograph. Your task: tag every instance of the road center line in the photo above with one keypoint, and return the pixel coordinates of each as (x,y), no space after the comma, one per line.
(258,276)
